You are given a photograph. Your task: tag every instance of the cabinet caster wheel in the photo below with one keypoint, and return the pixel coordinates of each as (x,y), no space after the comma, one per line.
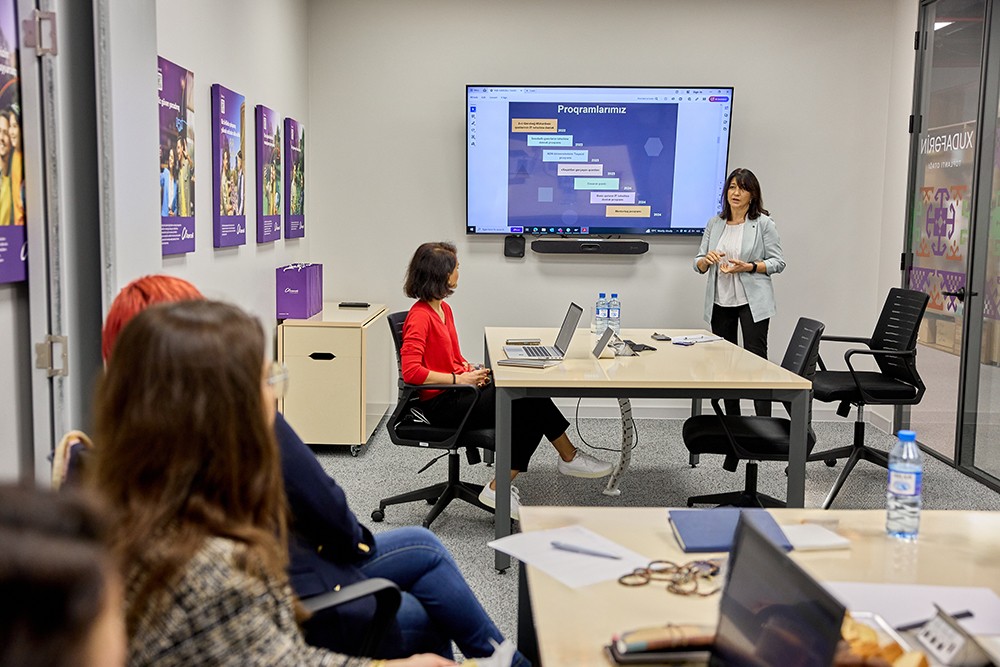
(830,462)
(378,515)
(355,450)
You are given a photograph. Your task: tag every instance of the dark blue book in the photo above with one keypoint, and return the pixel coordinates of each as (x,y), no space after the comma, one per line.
(706,530)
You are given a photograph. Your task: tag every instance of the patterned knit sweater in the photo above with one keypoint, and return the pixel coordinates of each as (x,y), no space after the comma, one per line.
(219,615)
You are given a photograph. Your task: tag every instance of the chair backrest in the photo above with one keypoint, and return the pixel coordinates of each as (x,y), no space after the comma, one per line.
(802,355)
(897,329)
(396,321)
(802,352)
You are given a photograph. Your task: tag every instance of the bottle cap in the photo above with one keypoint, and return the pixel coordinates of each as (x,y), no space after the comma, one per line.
(614,295)
(907,436)
(600,294)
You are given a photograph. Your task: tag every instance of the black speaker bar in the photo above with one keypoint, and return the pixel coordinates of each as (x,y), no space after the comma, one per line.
(590,246)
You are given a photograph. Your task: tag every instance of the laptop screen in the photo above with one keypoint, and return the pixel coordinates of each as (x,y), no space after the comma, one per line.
(568,327)
(772,611)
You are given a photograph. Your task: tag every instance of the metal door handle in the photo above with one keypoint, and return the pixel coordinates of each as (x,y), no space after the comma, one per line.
(960,294)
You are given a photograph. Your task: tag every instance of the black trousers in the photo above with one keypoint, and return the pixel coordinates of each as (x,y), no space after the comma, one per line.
(725,321)
(531,418)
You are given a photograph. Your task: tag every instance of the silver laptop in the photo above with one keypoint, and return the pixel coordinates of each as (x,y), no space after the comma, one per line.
(557,351)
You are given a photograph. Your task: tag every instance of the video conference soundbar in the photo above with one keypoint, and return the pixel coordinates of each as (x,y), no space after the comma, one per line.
(589,246)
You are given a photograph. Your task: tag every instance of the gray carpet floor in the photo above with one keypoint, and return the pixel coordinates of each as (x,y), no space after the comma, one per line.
(659,477)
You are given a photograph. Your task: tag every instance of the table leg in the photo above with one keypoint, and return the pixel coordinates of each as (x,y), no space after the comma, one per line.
(796,490)
(502,473)
(693,458)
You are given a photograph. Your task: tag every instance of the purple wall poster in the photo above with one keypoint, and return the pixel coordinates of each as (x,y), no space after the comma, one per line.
(13,240)
(295,179)
(268,175)
(229,168)
(176,100)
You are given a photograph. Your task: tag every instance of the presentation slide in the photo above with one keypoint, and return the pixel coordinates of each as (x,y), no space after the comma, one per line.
(582,165)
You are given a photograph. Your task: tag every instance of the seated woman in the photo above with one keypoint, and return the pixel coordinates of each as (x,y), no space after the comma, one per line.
(60,592)
(186,457)
(329,548)
(431,355)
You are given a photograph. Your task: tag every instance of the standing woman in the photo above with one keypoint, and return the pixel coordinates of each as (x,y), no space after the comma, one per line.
(740,250)
(431,355)
(189,464)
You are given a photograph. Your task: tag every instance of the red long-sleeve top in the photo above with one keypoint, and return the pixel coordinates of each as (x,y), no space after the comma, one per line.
(430,345)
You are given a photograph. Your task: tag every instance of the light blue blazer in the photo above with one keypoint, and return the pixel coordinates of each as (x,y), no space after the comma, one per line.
(760,244)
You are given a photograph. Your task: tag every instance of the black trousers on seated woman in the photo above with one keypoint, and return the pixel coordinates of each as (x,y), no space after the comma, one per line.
(725,320)
(531,418)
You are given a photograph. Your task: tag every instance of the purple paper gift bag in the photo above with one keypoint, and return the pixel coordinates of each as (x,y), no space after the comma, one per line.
(298,291)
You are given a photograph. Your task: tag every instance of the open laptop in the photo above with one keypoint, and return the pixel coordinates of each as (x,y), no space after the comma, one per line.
(557,351)
(772,611)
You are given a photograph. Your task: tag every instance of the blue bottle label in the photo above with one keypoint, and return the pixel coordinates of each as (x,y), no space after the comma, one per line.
(615,313)
(904,483)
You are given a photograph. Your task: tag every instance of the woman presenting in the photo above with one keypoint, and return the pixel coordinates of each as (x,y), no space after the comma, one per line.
(431,355)
(740,250)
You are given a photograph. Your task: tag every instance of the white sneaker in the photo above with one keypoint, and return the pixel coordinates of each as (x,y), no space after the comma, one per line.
(488,497)
(585,465)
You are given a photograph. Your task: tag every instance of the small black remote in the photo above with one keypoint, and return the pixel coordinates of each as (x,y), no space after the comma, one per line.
(354,304)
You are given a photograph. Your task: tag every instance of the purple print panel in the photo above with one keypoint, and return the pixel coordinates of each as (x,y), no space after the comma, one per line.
(295,179)
(176,99)
(13,251)
(268,175)
(229,170)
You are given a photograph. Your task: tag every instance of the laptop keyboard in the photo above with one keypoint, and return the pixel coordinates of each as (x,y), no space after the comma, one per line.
(536,351)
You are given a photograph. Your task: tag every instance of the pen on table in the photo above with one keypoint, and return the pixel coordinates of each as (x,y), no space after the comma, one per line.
(965,613)
(564,546)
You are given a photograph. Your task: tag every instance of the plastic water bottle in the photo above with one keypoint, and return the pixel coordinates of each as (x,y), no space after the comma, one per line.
(601,314)
(902,497)
(615,313)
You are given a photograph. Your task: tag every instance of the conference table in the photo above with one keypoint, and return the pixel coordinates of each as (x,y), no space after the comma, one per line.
(571,626)
(715,369)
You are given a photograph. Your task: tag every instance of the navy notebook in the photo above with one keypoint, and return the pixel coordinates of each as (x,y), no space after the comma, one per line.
(704,530)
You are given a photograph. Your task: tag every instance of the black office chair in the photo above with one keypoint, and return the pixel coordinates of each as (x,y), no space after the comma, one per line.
(387,598)
(754,439)
(407,428)
(893,346)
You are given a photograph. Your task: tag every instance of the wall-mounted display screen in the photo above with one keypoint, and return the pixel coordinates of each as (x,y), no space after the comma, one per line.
(579,161)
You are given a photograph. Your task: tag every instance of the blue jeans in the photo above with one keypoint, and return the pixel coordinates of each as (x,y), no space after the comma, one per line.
(438,606)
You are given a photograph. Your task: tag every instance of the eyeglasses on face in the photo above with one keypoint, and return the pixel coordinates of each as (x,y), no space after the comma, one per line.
(277,379)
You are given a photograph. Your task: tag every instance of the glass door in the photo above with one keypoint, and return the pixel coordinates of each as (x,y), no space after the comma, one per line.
(947,93)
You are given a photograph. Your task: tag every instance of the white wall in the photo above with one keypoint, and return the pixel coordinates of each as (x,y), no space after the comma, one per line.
(16,360)
(817,85)
(258,49)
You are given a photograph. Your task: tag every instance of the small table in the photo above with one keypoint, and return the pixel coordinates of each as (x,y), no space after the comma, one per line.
(707,370)
(573,625)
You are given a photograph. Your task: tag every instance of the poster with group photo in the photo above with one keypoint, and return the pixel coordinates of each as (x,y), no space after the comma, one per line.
(268,175)
(295,179)
(229,167)
(176,100)
(13,240)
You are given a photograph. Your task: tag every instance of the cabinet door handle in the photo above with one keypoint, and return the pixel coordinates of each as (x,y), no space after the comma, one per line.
(323,356)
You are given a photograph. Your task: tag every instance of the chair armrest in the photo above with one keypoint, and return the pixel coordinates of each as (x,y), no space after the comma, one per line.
(872,353)
(840,339)
(406,398)
(387,598)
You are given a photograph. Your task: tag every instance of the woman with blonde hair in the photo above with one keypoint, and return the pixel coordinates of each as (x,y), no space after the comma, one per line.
(188,461)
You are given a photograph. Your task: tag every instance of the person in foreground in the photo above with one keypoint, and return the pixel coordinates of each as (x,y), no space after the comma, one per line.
(431,355)
(740,250)
(187,459)
(60,592)
(329,547)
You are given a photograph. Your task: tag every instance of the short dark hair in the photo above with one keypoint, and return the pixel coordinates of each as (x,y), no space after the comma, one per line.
(55,570)
(427,275)
(745,179)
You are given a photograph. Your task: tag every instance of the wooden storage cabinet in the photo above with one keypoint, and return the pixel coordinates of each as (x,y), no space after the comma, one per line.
(341,369)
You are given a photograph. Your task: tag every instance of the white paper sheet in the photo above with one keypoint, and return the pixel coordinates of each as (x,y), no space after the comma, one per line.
(900,604)
(572,569)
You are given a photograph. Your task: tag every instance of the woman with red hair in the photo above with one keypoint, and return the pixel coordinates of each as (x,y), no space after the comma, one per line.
(136,297)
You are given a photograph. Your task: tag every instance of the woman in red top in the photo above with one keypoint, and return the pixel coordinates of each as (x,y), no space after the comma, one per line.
(431,355)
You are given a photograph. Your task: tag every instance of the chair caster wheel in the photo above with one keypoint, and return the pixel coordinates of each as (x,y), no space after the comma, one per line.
(431,501)
(830,462)
(378,515)
(426,524)
(690,504)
